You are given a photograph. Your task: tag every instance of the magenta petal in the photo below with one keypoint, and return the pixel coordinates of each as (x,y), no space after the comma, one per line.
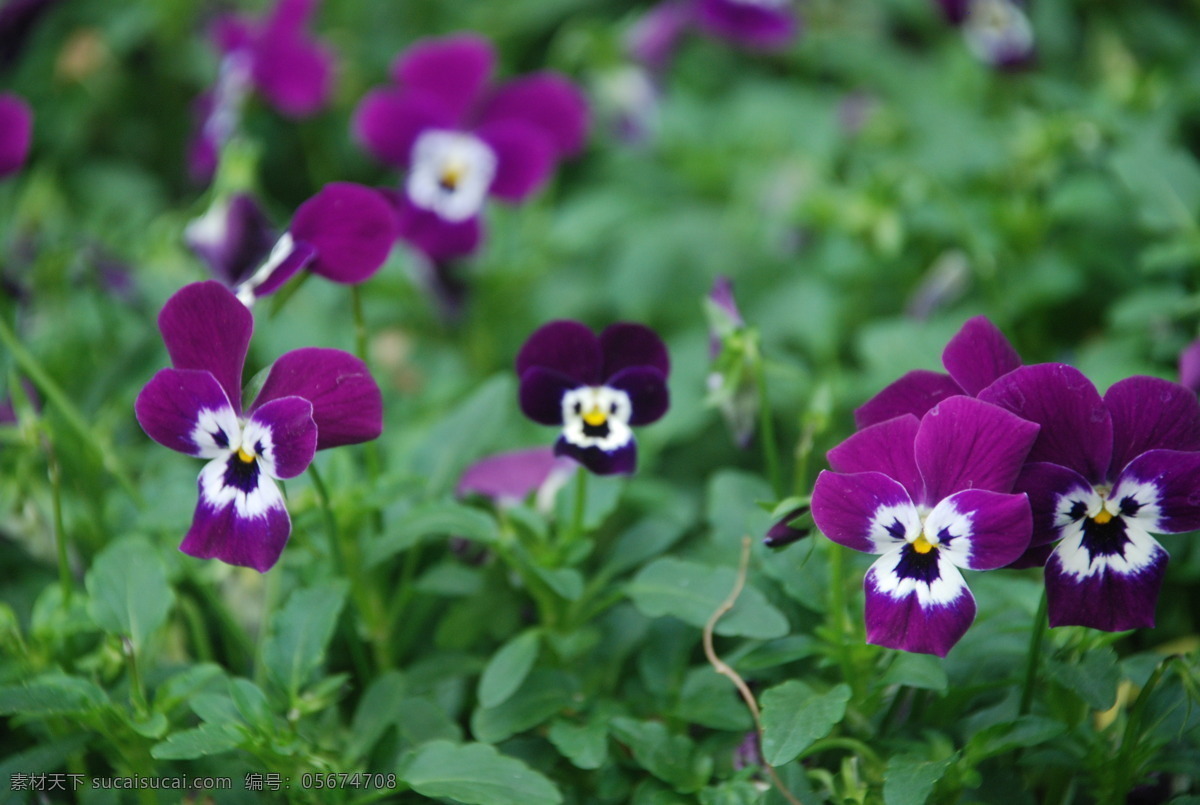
(509,478)
(524,158)
(978,355)
(1077,430)
(289,17)
(231,33)
(964,443)
(427,232)
(1189,366)
(866,511)
(748,24)
(955,11)
(1164,480)
(387,122)
(547,101)
(291,436)
(236,242)
(914,393)
(622,461)
(887,448)
(347,403)
(905,612)
(220,532)
(16,132)
(564,346)
(981,530)
(1051,490)
(299,256)
(1150,414)
(205,327)
(352,227)
(170,406)
(1105,592)
(655,37)
(626,344)
(647,390)
(541,394)
(294,74)
(453,68)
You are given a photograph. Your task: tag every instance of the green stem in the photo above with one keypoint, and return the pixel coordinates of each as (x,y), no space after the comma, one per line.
(360,323)
(1123,776)
(766,428)
(838,614)
(849,744)
(60,534)
(137,691)
(1033,656)
(580,509)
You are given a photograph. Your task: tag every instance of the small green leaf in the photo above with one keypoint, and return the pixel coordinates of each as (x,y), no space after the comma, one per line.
(466,433)
(545,694)
(585,745)
(707,698)
(129,592)
(671,758)
(207,739)
(917,671)
(909,779)
(299,633)
(215,708)
(250,701)
(441,519)
(566,581)
(508,668)
(795,716)
(378,709)
(1026,731)
(187,683)
(55,694)
(645,540)
(1094,678)
(692,592)
(475,774)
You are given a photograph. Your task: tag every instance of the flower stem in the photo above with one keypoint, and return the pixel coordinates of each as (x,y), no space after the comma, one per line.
(838,614)
(766,431)
(54,470)
(577,515)
(360,323)
(1033,656)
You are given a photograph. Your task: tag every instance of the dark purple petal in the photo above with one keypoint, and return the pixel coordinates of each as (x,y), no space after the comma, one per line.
(509,478)
(388,121)
(283,435)
(1076,429)
(427,232)
(1149,413)
(964,443)
(547,101)
(626,344)
(721,295)
(222,532)
(955,11)
(18,18)
(981,530)
(288,17)
(566,347)
(622,461)
(203,150)
(455,69)
(655,37)
(296,258)
(233,239)
(781,533)
(205,327)
(914,393)
(916,602)
(230,33)
(524,158)
(1108,591)
(16,132)
(294,73)
(866,511)
(352,227)
(978,355)
(170,407)
(1189,366)
(1034,556)
(347,404)
(1052,491)
(748,24)
(887,448)
(647,390)
(1161,490)
(541,394)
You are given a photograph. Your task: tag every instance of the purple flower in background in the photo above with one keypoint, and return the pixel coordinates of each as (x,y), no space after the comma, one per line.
(509,478)
(753,24)
(16,132)
(1105,474)
(17,20)
(1189,366)
(997,32)
(733,349)
(312,399)
(977,355)
(931,496)
(233,237)
(595,388)
(460,140)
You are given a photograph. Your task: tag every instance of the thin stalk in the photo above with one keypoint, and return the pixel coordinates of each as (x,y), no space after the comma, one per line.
(838,614)
(137,690)
(1033,656)
(360,323)
(54,470)
(580,509)
(766,431)
(1123,776)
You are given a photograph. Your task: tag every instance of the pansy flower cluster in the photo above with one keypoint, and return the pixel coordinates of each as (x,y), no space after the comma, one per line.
(997,464)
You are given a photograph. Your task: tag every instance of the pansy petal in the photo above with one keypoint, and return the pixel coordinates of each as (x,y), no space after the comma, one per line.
(655,37)
(347,404)
(626,344)
(547,101)
(1189,366)
(916,602)
(205,327)
(388,122)
(1161,490)
(541,394)
(294,74)
(1076,429)
(248,529)
(978,355)
(955,11)
(886,447)
(914,393)
(453,68)
(509,478)
(352,227)
(283,436)
(964,443)
(524,158)
(566,347)
(752,25)
(981,530)
(621,461)
(187,410)
(430,234)
(16,132)
(287,259)
(866,511)
(1057,497)
(647,390)
(1149,413)
(1112,588)
(233,238)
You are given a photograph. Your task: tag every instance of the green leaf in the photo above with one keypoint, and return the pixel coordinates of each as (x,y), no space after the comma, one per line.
(207,739)
(250,701)
(917,671)
(603,494)
(129,592)
(585,745)
(465,434)
(299,633)
(671,758)
(378,709)
(795,716)
(508,667)
(475,774)
(433,520)
(1093,678)
(185,684)
(909,779)
(692,592)
(733,509)
(215,708)
(645,540)
(1024,732)
(422,720)
(732,792)
(51,695)
(47,756)
(565,581)
(707,698)
(544,694)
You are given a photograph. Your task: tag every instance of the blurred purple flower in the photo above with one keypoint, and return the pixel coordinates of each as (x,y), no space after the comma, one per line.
(312,399)
(16,132)
(8,409)
(234,237)
(733,349)
(752,24)
(1189,366)
(460,140)
(509,478)
(997,32)
(17,20)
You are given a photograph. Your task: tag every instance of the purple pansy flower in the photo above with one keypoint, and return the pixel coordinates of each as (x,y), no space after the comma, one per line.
(595,388)
(1105,474)
(977,355)
(509,478)
(16,131)
(753,24)
(930,495)
(461,140)
(312,399)
(997,32)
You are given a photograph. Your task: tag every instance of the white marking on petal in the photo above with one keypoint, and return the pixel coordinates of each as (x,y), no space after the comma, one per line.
(1065,505)
(258,442)
(209,423)
(217,494)
(943,590)
(949,531)
(995,29)
(1145,503)
(1139,552)
(881,528)
(451,173)
(609,407)
(247,292)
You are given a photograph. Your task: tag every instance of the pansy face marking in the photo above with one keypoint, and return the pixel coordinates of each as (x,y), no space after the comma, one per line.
(996,30)
(597,416)
(1107,530)
(451,174)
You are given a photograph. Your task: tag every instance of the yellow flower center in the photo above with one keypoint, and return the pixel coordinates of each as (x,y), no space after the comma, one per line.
(1102,517)
(595,417)
(452,174)
(247,458)
(922,545)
